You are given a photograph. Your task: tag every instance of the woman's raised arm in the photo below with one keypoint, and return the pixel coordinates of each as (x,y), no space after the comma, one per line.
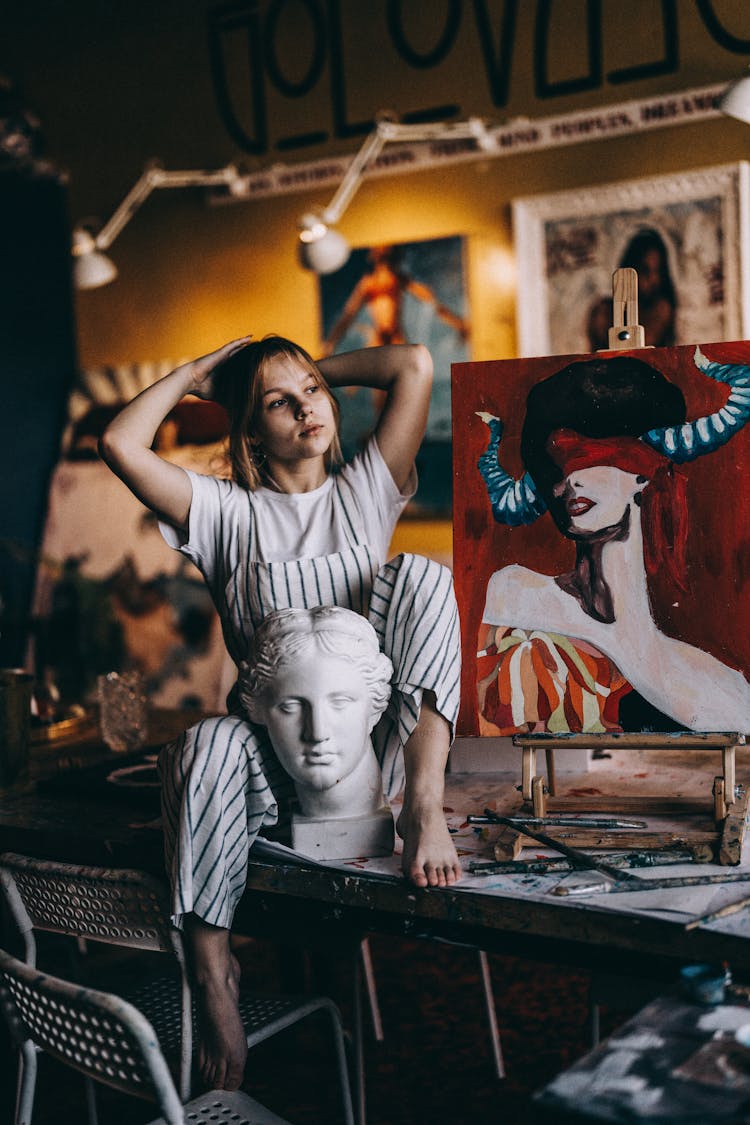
(126,443)
(404,372)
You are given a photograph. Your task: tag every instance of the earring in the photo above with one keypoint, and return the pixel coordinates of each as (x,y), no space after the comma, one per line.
(257,453)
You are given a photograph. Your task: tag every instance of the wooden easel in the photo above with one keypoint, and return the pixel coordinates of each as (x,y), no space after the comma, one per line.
(728,806)
(730,801)
(625,332)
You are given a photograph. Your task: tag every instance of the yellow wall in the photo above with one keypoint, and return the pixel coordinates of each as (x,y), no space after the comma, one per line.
(426,537)
(117,84)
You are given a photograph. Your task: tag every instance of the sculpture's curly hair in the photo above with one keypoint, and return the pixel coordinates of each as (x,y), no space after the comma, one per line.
(285,634)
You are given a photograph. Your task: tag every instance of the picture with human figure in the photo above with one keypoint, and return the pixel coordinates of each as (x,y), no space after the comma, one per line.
(408,292)
(602,541)
(685,235)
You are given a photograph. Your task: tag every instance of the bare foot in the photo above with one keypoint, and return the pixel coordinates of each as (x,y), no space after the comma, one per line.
(429,858)
(222,1045)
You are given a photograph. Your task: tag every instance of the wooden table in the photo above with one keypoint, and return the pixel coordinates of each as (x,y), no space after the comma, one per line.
(285,898)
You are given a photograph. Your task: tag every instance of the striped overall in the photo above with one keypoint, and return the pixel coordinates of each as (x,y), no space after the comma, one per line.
(221,781)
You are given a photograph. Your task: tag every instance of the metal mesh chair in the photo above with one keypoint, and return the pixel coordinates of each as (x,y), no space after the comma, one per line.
(108,1040)
(131,909)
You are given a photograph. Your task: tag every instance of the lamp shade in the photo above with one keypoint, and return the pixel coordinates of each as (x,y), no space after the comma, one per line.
(322,250)
(736,101)
(91,268)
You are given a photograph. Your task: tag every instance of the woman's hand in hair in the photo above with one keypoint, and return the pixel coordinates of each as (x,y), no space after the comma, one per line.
(203,368)
(127,443)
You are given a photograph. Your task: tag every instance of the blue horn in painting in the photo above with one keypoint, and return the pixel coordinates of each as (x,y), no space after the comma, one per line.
(693,439)
(514,502)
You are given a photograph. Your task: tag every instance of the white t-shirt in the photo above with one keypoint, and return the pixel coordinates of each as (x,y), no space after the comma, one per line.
(231,529)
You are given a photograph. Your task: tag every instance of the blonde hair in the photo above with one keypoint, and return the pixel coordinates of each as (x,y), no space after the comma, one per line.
(238,387)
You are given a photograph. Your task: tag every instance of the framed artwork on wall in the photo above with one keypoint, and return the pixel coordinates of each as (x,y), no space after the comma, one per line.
(601,541)
(687,235)
(411,292)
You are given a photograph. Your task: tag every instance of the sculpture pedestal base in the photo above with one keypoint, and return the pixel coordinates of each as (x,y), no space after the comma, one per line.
(352,837)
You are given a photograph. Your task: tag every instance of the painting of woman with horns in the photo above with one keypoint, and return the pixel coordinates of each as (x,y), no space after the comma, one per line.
(605,581)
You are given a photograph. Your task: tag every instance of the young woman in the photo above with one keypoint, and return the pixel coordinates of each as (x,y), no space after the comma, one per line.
(287,532)
(581,651)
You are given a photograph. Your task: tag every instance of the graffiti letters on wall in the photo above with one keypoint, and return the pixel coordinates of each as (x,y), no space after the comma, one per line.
(255,58)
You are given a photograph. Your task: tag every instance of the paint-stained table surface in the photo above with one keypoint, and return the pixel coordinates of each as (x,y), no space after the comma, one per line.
(72,814)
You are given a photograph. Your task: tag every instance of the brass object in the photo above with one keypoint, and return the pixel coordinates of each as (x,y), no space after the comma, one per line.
(76,724)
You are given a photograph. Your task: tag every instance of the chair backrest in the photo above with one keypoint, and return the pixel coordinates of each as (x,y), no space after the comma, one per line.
(97,1033)
(120,907)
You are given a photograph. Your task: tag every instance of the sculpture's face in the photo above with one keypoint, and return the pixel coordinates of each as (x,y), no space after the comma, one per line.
(318,716)
(596,497)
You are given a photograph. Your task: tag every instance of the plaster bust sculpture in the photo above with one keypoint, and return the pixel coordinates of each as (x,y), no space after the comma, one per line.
(318,682)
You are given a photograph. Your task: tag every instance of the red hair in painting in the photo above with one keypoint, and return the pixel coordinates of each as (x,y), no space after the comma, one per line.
(663,500)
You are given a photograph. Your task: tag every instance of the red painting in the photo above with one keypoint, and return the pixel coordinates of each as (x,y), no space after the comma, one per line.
(602,541)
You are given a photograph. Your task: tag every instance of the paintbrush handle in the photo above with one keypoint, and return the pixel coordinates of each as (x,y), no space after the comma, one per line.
(580,859)
(521,822)
(636,884)
(722,912)
(574,822)
(520,867)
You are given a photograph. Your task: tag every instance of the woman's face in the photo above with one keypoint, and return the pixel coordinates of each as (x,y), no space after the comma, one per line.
(318,714)
(295,419)
(650,274)
(596,498)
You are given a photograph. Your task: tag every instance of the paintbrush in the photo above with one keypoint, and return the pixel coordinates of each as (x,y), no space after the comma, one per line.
(636,884)
(519,866)
(554,821)
(721,912)
(577,858)
(614,859)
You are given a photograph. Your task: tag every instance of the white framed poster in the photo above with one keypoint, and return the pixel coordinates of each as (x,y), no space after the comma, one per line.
(686,234)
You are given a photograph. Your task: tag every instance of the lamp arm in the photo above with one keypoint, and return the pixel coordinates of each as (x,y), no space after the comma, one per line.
(139,192)
(384,132)
(472,127)
(153,177)
(344,193)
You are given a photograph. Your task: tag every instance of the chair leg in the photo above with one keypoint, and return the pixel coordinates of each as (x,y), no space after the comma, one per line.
(341,1060)
(594,1023)
(91,1107)
(372,992)
(358,1045)
(186,1038)
(26,1083)
(489,1003)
